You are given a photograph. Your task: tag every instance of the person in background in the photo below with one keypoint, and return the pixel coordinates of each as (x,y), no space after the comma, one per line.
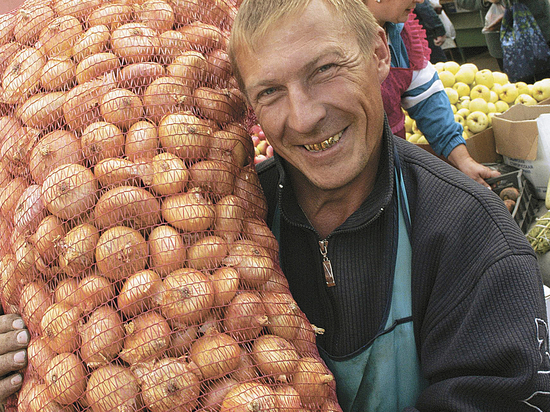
(435,30)
(413,84)
(430,295)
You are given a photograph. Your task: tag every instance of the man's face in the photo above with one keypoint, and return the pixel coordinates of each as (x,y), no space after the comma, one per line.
(317,96)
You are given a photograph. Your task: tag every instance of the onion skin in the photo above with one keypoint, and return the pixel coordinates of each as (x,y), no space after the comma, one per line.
(93,291)
(138,292)
(275,356)
(102,140)
(245,316)
(113,388)
(215,393)
(77,249)
(190,211)
(92,41)
(110,15)
(49,231)
(285,317)
(226,283)
(114,172)
(213,176)
(43,110)
(312,381)
(170,174)
(11,279)
(157,14)
(189,67)
(10,194)
(168,384)
(29,210)
(58,74)
(39,355)
(288,399)
(135,42)
(142,141)
(207,253)
(250,396)
(164,96)
(181,339)
(167,249)
(58,38)
(215,355)
(102,337)
(121,107)
(35,299)
(138,76)
(252,261)
(40,400)
(66,378)
(59,325)
(96,65)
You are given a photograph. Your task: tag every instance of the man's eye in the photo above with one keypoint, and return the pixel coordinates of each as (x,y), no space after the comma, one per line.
(325,67)
(267,92)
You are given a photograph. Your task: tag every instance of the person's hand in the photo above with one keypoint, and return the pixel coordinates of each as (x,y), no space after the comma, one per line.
(438,41)
(462,160)
(14,339)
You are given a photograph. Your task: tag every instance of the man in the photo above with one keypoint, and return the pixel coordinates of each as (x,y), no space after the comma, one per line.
(429,294)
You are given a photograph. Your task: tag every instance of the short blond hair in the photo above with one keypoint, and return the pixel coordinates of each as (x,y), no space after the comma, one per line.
(256,17)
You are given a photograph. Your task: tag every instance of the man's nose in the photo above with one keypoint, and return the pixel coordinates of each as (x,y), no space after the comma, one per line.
(305,112)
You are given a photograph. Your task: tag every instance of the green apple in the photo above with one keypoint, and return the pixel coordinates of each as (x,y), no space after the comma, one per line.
(463,112)
(463,102)
(462,88)
(452,94)
(480,91)
(523,88)
(447,78)
(509,93)
(465,75)
(460,119)
(525,99)
(477,122)
(479,105)
(451,66)
(500,78)
(541,90)
(501,106)
(485,77)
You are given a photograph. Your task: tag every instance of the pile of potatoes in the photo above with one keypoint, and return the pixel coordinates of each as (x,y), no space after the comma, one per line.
(132,223)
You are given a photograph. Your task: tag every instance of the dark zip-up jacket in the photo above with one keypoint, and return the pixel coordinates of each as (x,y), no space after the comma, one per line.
(478,307)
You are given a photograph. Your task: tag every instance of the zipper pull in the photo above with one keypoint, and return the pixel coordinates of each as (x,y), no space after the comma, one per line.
(327,267)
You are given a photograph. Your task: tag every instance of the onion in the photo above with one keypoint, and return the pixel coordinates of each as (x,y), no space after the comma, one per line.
(251,261)
(166,95)
(232,148)
(285,317)
(215,392)
(170,174)
(5,175)
(48,233)
(96,65)
(138,292)
(331,405)
(27,391)
(39,355)
(226,282)
(110,15)
(114,171)
(78,8)
(10,194)
(29,210)
(312,381)
(40,400)
(16,150)
(246,370)
(204,37)
(147,337)
(275,357)
(257,230)
(102,337)
(142,141)
(207,253)
(102,140)
(219,69)
(65,291)
(276,283)
(22,76)
(167,249)
(7,25)
(59,36)
(7,50)
(30,21)
(172,44)
(214,176)
(69,190)
(157,14)
(135,42)
(245,316)
(111,388)
(187,296)
(168,384)
(66,378)
(59,325)
(35,299)
(185,135)
(26,257)
(138,76)
(121,107)
(128,205)
(120,252)
(215,355)
(43,110)
(181,339)
(11,280)
(216,104)
(93,290)
(288,399)
(250,396)
(58,74)
(249,189)
(92,41)
(190,211)
(76,249)
(189,67)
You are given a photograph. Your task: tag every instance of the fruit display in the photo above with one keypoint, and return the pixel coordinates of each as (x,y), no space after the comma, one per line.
(262,149)
(133,239)
(476,95)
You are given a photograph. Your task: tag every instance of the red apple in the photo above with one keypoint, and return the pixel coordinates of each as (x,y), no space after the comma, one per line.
(255,140)
(269,151)
(261,135)
(259,158)
(255,129)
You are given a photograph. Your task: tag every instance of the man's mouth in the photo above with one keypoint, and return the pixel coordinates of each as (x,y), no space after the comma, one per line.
(324,145)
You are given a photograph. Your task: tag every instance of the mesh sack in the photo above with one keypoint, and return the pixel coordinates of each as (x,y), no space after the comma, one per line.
(132,221)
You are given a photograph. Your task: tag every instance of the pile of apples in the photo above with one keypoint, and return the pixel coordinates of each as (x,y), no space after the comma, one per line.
(262,148)
(477,95)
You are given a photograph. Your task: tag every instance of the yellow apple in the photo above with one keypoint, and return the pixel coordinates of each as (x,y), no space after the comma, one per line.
(480,91)
(453,108)
(465,75)
(407,135)
(509,93)
(460,119)
(452,94)
(415,128)
(414,137)
(463,112)
(422,140)
(500,78)
(491,108)
(463,102)
(497,88)
(451,66)
(490,117)
(462,88)
(408,124)
(447,78)
(541,90)
(479,105)
(501,106)
(477,121)
(525,99)
(485,77)
(523,88)
(494,97)
(470,66)
(439,66)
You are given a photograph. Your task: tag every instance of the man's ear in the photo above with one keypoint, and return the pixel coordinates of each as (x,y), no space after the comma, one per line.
(382,55)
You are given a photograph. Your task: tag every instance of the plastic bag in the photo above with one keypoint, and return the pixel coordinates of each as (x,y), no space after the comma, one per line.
(493,18)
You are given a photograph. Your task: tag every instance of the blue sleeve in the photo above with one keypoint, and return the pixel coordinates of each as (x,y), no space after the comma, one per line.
(428,104)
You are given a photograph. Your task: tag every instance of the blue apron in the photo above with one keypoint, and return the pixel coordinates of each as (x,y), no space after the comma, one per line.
(386,375)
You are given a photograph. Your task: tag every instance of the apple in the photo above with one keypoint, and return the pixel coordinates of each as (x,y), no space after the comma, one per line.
(262,146)
(509,93)
(482,91)
(463,112)
(408,124)
(439,66)
(494,97)
(491,108)
(422,140)
(460,119)
(452,94)
(470,66)
(447,78)
(414,137)
(477,122)
(463,102)
(269,151)
(465,75)
(255,129)
(415,128)
(478,105)
(541,90)
(525,99)
(490,116)
(451,66)
(500,78)
(501,106)
(255,140)
(523,88)
(257,151)
(453,108)
(259,158)
(462,89)
(497,88)
(485,77)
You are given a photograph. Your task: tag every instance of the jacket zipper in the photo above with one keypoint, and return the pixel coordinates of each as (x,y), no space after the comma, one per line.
(327,266)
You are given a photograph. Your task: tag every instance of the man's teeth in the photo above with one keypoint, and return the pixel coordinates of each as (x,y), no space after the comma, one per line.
(318,147)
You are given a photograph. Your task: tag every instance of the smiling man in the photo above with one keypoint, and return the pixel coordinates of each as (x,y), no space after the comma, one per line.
(429,294)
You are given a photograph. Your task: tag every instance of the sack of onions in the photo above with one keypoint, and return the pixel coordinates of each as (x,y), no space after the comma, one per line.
(133,239)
